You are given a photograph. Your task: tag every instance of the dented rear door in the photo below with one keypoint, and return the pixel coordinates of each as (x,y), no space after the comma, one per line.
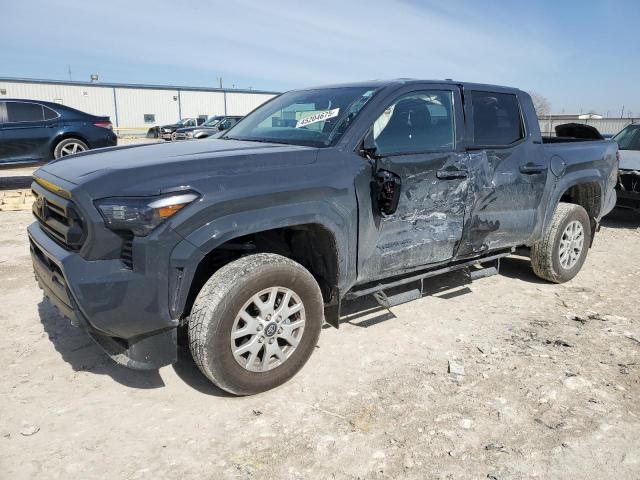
(507,171)
(419,139)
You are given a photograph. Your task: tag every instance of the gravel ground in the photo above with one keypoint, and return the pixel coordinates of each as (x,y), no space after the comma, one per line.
(549,389)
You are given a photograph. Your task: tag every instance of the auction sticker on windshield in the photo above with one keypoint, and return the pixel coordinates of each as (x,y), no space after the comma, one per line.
(317,117)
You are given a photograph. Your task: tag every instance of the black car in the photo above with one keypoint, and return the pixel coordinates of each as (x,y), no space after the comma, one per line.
(32,130)
(166,131)
(212,126)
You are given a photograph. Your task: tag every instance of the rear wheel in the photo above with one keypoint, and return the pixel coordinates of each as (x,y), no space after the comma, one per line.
(559,256)
(255,323)
(69,146)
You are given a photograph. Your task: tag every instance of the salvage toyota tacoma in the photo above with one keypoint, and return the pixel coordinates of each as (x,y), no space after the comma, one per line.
(247,243)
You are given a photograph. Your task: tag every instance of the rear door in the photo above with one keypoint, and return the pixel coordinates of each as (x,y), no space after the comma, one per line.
(508,171)
(418,140)
(26,132)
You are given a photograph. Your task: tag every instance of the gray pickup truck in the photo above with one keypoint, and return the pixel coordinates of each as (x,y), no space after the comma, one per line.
(247,243)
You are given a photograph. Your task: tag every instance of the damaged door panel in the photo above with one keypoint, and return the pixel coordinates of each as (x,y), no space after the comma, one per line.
(415,153)
(507,173)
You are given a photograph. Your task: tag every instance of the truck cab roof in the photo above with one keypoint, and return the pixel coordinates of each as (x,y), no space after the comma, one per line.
(409,81)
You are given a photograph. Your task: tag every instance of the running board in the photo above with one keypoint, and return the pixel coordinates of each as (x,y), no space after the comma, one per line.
(388,301)
(485,271)
(378,291)
(400,298)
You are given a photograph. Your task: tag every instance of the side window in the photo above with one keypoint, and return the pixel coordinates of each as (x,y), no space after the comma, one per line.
(49,114)
(417,122)
(24,112)
(229,122)
(496,119)
(635,143)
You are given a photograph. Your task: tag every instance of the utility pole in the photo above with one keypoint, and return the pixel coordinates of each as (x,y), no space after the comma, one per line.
(622,113)
(69,70)
(220,82)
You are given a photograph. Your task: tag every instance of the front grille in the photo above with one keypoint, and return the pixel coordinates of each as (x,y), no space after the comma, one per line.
(59,218)
(126,254)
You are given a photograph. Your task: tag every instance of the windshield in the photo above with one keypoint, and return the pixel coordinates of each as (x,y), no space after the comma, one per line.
(316,118)
(629,138)
(212,121)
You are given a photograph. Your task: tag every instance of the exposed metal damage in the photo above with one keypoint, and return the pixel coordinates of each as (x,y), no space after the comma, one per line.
(628,189)
(630,180)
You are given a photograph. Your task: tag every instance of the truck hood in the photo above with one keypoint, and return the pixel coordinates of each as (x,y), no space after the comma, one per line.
(153,168)
(629,159)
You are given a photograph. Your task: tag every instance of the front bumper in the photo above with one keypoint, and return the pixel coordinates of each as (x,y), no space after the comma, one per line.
(165,136)
(108,301)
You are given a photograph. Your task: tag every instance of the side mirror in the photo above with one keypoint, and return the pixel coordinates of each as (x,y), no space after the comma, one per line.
(368,148)
(221,126)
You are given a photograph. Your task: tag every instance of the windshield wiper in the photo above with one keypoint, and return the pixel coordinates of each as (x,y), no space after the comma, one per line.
(260,140)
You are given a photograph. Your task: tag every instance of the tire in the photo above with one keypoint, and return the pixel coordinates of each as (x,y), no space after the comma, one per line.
(69,146)
(547,258)
(216,314)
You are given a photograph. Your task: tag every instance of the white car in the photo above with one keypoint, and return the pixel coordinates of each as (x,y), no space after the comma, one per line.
(629,170)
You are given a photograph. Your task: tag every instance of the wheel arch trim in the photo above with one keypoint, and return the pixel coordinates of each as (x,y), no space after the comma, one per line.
(188,254)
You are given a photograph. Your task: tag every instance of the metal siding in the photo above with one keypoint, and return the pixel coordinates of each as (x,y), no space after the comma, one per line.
(195,104)
(94,100)
(243,103)
(134,103)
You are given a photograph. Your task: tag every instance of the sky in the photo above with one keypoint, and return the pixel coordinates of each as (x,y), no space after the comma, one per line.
(580,55)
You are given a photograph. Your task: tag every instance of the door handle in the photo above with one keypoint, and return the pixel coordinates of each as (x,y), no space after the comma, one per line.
(451,173)
(532,168)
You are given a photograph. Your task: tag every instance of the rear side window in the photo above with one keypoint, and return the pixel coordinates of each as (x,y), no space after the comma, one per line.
(49,114)
(24,112)
(496,119)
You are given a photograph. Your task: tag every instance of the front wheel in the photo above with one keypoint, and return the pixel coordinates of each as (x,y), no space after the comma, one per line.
(560,254)
(255,323)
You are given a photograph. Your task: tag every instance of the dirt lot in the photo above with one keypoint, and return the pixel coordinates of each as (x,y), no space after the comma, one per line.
(551,387)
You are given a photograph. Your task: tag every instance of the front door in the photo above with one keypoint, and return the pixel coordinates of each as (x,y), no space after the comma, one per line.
(418,152)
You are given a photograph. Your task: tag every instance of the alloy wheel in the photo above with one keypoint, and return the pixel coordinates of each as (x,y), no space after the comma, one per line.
(267,329)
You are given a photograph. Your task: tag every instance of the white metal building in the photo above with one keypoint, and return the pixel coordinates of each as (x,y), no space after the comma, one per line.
(137,107)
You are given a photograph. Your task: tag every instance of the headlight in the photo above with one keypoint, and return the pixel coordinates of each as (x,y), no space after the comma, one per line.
(189,135)
(140,215)
(166,130)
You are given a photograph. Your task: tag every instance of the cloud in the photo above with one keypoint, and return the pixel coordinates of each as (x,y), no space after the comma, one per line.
(287,44)
(291,42)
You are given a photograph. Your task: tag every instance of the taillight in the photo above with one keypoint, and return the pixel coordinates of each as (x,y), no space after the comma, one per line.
(104,124)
